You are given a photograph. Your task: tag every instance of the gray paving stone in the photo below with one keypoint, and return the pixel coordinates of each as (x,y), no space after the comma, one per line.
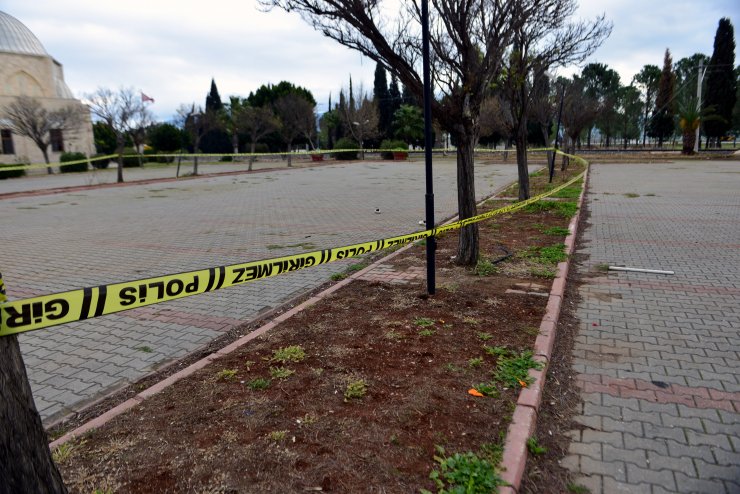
(201,223)
(680,330)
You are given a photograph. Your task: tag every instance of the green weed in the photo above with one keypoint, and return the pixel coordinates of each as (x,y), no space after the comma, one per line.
(513,370)
(496,351)
(62,452)
(534,448)
(355,390)
(226,374)
(287,354)
(484,336)
(281,372)
(568,193)
(578,489)
(464,473)
(259,383)
(277,436)
(557,231)
(144,348)
(631,195)
(488,389)
(471,320)
(485,267)
(338,276)
(423,322)
(426,332)
(565,209)
(552,254)
(541,272)
(475,362)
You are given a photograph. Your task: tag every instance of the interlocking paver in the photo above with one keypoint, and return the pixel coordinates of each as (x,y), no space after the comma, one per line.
(672,341)
(88,237)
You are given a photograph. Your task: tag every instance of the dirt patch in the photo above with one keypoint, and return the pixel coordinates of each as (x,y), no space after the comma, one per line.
(354,394)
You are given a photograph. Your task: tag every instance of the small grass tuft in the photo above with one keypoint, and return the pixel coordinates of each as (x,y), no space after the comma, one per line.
(541,272)
(259,383)
(485,267)
(483,336)
(287,354)
(475,362)
(426,332)
(557,231)
(424,322)
(281,372)
(488,389)
(338,276)
(62,453)
(631,195)
(496,351)
(534,447)
(226,374)
(471,320)
(393,335)
(578,489)
(277,436)
(144,348)
(355,390)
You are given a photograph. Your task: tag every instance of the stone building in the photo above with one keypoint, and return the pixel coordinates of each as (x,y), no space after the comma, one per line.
(27,69)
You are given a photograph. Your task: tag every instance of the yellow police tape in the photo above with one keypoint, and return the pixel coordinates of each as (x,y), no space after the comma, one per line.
(29,314)
(36,166)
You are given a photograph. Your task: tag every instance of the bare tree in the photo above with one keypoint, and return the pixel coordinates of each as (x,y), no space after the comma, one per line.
(122,111)
(361,118)
(468,40)
(197,123)
(579,111)
(28,118)
(495,116)
(544,38)
(257,122)
(297,116)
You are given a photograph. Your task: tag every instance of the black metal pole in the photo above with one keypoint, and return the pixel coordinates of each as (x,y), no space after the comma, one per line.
(428,144)
(557,132)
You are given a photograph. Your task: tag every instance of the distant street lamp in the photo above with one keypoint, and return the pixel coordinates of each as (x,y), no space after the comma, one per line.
(361,132)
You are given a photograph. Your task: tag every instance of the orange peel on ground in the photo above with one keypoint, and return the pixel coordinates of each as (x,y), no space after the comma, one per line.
(475,392)
(523,383)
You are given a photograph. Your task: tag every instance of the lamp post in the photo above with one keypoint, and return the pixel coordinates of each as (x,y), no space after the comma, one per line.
(429,197)
(557,131)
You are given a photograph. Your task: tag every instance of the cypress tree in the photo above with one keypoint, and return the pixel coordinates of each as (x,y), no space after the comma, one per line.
(395,94)
(662,124)
(213,100)
(721,94)
(383,100)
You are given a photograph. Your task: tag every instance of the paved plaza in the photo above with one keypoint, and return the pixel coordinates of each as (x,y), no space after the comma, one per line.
(63,241)
(658,356)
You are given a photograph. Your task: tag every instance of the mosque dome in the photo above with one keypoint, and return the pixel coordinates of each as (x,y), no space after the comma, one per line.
(15,37)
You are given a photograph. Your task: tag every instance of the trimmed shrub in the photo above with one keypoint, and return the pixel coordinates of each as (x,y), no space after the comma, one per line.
(392,144)
(100,164)
(79,167)
(4,174)
(226,159)
(346,143)
(131,161)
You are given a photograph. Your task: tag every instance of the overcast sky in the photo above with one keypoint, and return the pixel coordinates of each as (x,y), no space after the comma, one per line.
(170,49)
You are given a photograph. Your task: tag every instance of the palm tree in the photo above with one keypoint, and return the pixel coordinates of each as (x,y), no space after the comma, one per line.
(689,119)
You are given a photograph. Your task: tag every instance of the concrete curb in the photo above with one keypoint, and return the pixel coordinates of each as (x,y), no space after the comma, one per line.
(524,420)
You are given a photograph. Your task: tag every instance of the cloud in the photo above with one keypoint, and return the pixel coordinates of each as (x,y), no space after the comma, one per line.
(171,49)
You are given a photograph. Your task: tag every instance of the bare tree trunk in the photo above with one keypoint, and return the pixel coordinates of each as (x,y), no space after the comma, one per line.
(467,247)
(251,152)
(290,154)
(521,159)
(46,160)
(26,465)
(119,151)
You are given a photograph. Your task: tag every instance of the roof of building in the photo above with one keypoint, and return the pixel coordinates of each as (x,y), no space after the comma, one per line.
(15,37)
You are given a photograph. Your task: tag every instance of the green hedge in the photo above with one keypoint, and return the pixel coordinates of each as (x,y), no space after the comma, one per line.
(346,143)
(79,167)
(4,174)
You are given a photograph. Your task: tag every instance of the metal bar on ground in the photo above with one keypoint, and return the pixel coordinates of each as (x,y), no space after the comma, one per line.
(639,270)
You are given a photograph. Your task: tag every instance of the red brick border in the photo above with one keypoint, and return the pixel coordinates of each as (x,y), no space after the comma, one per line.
(524,421)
